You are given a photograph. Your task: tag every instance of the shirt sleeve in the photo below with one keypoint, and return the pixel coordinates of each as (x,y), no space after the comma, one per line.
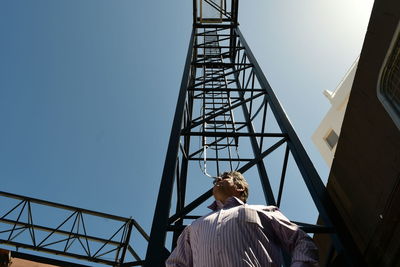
(300,245)
(181,256)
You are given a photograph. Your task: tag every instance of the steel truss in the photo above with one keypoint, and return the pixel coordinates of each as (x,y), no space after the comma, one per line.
(225,101)
(64,230)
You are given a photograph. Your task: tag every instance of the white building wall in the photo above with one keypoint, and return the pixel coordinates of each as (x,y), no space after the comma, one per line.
(334,118)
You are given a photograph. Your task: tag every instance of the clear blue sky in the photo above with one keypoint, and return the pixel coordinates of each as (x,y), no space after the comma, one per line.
(88,88)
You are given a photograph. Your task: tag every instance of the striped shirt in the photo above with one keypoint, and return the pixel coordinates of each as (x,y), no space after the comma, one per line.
(237,234)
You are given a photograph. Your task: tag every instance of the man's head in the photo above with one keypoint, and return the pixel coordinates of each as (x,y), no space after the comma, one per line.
(231,184)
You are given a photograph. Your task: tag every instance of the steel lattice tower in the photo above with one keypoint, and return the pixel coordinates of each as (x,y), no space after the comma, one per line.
(223,105)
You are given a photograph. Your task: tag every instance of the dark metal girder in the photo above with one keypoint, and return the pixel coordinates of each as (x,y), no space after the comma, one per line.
(208,26)
(57,234)
(207,89)
(57,252)
(45,260)
(134,263)
(62,206)
(210,42)
(212,101)
(283,175)
(220,145)
(214,30)
(232,134)
(192,217)
(221,76)
(262,155)
(314,228)
(197,202)
(221,138)
(176,228)
(194,11)
(213,35)
(202,57)
(191,206)
(124,248)
(155,255)
(222,159)
(213,47)
(181,184)
(318,192)
(234,11)
(216,114)
(61,232)
(217,65)
(213,20)
(228,122)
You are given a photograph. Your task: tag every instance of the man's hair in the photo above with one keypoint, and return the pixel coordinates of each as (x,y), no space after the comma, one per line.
(240,182)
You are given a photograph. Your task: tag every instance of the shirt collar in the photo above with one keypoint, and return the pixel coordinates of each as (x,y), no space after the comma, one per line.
(229,203)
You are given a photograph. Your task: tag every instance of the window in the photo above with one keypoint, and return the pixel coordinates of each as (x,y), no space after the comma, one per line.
(389,80)
(331,139)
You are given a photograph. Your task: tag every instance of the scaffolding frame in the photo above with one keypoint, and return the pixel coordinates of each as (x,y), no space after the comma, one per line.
(57,238)
(222,73)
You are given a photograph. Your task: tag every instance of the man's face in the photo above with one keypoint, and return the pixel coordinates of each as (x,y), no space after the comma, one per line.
(224,187)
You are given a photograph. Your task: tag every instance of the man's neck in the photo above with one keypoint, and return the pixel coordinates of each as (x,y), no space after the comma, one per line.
(229,202)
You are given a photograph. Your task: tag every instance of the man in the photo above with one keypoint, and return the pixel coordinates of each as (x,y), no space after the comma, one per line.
(237,234)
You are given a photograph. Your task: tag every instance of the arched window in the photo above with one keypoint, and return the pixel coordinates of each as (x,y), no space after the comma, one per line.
(389,80)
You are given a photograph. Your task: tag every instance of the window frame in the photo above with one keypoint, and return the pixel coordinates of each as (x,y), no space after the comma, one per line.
(326,139)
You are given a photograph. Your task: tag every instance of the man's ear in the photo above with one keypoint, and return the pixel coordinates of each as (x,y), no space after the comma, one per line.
(239,189)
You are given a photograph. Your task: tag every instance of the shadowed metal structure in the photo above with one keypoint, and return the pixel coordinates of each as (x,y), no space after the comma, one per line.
(228,118)
(58,229)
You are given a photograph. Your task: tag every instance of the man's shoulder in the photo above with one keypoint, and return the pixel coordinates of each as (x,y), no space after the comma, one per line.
(263,208)
(209,215)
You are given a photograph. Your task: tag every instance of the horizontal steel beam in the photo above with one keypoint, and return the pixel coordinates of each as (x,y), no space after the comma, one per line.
(222,159)
(219,65)
(65,207)
(232,134)
(56,231)
(57,252)
(207,89)
(222,111)
(45,260)
(218,26)
(188,208)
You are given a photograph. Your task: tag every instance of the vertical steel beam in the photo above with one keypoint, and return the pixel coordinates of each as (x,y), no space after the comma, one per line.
(126,241)
(344,244)
(181,193)
(262,171)
(155,255)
